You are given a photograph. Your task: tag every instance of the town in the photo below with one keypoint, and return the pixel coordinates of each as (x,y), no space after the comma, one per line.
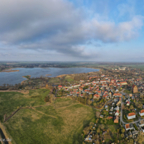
(117,98)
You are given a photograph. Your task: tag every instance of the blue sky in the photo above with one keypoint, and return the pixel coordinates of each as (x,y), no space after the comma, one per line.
(72,30)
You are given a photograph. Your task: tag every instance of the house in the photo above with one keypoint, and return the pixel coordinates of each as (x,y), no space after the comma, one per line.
(116,108)
(134,133)
(129,127)
(111,109)
(80,89)
(110,113)
(109,117)
(117,94)
(130,95)
(102,75)
(128,103)
(116,120)
(123,83)
(142,129)
(88,138)
(105,96)
(135,89)
(117,113)
(103,81)
(60,87)
(106,106)
(141,123)
(141,113)
(96,96)
(131,115)
(81,95)
(118,103)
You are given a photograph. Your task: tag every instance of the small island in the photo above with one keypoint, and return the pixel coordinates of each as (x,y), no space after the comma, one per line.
(27,77)
(9,70)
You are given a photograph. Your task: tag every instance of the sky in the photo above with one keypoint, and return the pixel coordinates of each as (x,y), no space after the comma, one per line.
(72,30)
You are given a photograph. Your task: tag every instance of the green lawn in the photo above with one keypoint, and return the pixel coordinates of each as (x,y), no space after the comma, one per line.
(60,122)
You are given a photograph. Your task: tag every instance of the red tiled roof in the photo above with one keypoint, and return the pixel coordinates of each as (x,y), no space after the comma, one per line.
(142,111)
(96,95)
(127,126)
(131,114)
(117,94)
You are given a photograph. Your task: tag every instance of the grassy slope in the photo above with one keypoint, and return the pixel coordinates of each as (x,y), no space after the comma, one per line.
(10,101)
(60,122)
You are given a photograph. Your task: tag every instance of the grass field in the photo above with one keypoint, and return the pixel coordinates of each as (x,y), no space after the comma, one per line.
(60,122)
(138,66)
(10,101)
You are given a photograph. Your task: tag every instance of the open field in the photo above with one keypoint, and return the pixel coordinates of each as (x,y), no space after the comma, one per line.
(138,66)
(59,122)
(10,101)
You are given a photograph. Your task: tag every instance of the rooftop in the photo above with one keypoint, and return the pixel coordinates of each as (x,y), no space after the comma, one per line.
(131,114)
(142,111)
(127,126)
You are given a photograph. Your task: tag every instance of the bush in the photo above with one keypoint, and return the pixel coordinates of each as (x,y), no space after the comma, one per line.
(47,99)
(135,126)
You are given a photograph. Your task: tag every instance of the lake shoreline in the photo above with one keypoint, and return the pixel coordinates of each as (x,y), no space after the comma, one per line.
(9,70)
(25,74)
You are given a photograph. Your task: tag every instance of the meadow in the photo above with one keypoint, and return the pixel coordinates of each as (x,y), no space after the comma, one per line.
(138,66)
(10,101)
(59,122)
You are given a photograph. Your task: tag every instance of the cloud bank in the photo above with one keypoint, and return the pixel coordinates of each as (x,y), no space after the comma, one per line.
(57,26)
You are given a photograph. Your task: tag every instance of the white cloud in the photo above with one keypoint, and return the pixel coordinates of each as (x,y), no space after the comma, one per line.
(56,25)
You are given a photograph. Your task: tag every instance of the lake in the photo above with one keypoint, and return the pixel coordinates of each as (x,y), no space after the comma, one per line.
(16,77)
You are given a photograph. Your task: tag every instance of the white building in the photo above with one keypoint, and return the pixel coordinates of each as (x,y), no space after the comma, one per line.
(131,116)
(141,123)
(129,127)
(141,113)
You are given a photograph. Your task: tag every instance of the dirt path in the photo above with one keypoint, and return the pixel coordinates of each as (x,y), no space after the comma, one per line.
(44,113)
(20,91)
(66,106)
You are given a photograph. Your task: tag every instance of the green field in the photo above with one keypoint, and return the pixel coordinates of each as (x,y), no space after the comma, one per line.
(10,101)
(59,122)
(138,66)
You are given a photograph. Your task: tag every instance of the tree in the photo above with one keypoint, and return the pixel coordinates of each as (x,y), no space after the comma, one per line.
(102,126)
(94,104)
(140,106)
(123,130)
(89,102)
(91,124)
(131,107)
(141,95)
(122,135)
(98,130)
(47,99)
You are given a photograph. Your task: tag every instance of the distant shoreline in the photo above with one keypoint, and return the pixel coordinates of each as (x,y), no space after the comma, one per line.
(62,75)
(9,70)
(48,74)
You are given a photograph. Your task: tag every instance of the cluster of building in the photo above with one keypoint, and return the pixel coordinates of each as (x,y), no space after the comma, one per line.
(103,87)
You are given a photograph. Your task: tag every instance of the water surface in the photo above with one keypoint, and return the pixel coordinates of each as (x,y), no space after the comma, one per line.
(16,77)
